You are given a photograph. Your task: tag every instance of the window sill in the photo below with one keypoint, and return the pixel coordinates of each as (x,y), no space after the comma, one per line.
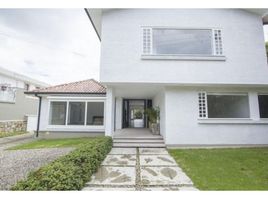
(75,128)
(183,57)
(231,121)
(8,102)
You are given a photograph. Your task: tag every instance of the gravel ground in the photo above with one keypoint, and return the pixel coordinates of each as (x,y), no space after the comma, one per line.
(16,164)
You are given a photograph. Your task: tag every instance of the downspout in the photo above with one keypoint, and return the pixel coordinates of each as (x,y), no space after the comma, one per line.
(39,114)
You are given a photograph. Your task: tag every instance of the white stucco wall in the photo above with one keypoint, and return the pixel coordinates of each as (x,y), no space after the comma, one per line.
(243,43)
(184,128)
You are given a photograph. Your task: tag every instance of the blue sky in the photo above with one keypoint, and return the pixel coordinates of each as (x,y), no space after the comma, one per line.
(51,45)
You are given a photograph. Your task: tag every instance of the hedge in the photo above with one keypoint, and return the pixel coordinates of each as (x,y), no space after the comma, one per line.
(69,172)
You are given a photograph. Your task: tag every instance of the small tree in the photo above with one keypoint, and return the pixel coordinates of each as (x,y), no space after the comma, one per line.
(153,114)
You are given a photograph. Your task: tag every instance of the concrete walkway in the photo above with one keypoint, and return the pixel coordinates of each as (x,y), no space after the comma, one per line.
(139,169)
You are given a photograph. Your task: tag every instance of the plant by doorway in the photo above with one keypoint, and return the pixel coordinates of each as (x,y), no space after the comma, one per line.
(153,118)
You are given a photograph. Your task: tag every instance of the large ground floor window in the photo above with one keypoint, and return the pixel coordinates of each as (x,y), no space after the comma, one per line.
(224,105)
(76,113)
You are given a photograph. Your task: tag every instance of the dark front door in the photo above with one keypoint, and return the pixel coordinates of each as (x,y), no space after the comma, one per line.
(133,113)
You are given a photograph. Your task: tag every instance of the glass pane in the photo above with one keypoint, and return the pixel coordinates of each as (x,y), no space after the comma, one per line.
(76,113)
(228,106)
(177,41)
(57,113)
(95,112)
(263,106)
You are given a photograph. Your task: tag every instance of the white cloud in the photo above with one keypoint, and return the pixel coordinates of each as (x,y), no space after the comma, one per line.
(52,45)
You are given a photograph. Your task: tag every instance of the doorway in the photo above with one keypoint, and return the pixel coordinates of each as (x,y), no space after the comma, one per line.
(134,113)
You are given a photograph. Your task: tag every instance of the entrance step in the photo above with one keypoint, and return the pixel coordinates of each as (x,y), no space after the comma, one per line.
(139,142)
(140,145)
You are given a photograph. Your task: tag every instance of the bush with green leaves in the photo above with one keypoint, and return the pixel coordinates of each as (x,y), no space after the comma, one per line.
(69,172)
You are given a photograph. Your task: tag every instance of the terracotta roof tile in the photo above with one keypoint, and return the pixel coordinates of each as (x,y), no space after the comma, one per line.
(87,86)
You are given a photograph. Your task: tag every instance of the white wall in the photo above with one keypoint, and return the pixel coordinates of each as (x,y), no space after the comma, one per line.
(243,42)
(184,128)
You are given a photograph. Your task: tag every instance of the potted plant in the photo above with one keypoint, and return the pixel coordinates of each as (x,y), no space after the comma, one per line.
(138,119)
(153,118)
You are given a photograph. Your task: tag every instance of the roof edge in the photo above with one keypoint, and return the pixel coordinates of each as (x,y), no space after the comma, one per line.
(87,12)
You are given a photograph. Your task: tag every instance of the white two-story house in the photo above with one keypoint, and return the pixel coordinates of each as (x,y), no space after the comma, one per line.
(206,69)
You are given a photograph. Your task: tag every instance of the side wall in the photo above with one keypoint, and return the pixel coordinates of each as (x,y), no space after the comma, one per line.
(185,129)
(24,105)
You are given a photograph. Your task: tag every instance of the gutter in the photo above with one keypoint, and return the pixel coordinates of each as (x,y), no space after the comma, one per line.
(39,114)
(92,23)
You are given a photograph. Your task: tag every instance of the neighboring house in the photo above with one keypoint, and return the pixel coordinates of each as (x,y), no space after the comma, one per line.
(206,69)
(73,109)
(15,106)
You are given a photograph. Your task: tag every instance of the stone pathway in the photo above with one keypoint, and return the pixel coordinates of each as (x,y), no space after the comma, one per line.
(141,169)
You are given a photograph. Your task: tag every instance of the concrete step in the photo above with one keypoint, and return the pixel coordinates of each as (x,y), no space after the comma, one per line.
(139,138)
(131,145)
(138,141)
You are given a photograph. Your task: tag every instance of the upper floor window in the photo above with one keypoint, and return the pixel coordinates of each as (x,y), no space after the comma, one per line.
(7,93)
(182,42)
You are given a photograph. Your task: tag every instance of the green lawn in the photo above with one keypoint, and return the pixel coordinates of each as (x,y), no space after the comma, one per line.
(52,143)
(8,134)
(225,169)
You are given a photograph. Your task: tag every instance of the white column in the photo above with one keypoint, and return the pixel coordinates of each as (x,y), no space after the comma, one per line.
(119,103)
(254,105)
(109,112)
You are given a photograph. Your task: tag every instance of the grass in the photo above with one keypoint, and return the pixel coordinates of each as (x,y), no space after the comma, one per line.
(8,134)
(225,169)
(53,143)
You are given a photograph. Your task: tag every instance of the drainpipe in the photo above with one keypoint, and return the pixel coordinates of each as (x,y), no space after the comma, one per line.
(39,113)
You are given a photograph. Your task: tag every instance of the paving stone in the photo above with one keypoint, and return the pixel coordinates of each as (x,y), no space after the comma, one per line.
(164,176)
(114,176)
(150,151)
(123,151)
(157,160)
(120,160)
(108,189)
(157,169)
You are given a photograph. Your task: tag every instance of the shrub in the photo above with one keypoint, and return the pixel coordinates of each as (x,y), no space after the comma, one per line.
(69,172)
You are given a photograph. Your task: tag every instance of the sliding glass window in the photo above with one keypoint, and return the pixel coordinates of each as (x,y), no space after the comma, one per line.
(79,113)
(95,111)
(76,113)
(57,113)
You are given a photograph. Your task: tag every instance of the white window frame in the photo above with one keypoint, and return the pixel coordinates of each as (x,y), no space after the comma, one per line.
(213,56)
(225,94)
(75,127)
